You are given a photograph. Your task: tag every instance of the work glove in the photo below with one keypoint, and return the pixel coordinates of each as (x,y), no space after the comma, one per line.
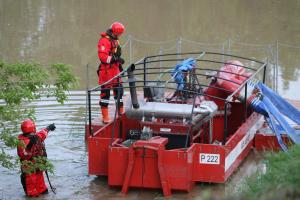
(114,59)
(117,59)
(51,127)
(119,51)
(121,61)
(121,68)
(33,141)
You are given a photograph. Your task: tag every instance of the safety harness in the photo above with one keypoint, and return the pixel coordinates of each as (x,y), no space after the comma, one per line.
(39,150)
(114,46)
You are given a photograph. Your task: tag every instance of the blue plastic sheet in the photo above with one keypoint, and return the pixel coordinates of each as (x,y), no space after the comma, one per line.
(177,73)
(274,108)
(281,104)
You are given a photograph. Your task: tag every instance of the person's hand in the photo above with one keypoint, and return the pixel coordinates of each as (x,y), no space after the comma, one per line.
(119,51)
(51,127)
(114,58)
(117,59)
(121,68)
(121,60)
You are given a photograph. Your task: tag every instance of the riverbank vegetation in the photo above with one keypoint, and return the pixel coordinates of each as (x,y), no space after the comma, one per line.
(281,180)
(22,83)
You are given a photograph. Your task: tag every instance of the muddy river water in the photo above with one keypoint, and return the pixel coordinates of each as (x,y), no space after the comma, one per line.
(67,32)
(66,149)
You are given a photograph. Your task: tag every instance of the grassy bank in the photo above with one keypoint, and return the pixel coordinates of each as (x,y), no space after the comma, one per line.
(280,181)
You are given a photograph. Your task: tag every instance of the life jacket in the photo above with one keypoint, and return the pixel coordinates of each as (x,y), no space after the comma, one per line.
(37,149)
(114,43)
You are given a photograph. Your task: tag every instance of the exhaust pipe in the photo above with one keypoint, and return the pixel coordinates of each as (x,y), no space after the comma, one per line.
(132,87)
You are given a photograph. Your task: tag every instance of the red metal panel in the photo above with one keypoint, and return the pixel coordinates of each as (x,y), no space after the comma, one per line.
(239,145)
(117,165)
(236,117)
(143,164)
(144,168)
(209,171)
(238,160)
(178,167)
(147,164)
(145,171)
(267,142)
(235,120)
(230,156)
(97,156)
(136,166)
(218,128)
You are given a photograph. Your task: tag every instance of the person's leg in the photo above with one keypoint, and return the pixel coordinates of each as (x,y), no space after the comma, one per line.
(104,101)
(41,186)
(23,181)
(118,94)
(31,183)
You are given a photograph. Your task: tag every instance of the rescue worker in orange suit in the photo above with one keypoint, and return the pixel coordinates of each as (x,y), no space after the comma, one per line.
(31,146)
(109,53)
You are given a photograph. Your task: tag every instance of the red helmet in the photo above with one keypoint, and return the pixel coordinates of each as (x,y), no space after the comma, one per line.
(117,28)
(28,126)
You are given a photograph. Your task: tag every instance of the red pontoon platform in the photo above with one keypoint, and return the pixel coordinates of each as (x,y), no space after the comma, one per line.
(171,137)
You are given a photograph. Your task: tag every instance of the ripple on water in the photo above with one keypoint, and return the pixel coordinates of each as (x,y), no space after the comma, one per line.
(66,149)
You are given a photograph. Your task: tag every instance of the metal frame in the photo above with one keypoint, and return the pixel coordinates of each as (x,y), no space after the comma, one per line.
(142,65)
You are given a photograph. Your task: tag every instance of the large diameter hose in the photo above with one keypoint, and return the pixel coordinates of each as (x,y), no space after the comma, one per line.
(132,87)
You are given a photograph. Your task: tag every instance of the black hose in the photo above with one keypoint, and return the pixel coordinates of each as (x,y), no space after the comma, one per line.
(46,172)
(52,188)
(132,87)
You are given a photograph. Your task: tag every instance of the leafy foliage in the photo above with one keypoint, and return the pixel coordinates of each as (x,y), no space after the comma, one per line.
(20,84)
(280,181)
(38,163)
(64,78)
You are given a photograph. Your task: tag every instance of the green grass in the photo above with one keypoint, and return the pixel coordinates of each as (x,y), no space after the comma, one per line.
(281,179)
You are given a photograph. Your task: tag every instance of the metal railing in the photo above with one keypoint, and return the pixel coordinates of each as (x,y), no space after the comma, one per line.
(144,70)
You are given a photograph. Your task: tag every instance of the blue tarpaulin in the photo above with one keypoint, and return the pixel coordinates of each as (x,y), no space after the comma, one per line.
(177,73)
(276,111)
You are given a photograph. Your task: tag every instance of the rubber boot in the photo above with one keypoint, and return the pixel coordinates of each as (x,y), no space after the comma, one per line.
(105,115)
(121,110)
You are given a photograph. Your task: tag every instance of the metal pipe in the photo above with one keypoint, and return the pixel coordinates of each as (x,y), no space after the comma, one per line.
(115,116)
(192,92)
(245,102)
(90,113)
(132,87)
(171,110)
(160,53)
(178,48)
(211,125)
(223,51)
(208,53)
(190,128)
(202,60)
(87,88)
(276,66)
(130,48)
(229,46)
(264,75)
(144,72)
(225,122)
